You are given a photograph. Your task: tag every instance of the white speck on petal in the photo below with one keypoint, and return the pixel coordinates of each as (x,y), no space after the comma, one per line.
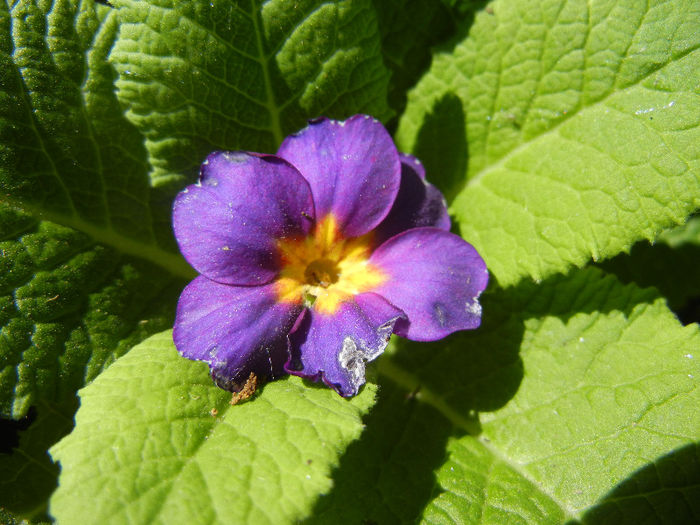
(235,156)
(474,307)
(440,314)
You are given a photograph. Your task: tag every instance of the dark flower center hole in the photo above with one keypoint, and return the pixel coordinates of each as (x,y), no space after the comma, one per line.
(321,272)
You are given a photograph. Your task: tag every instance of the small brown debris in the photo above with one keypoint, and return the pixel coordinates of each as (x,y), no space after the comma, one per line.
(489,10)
(247,391)
(52,298)
(214,412)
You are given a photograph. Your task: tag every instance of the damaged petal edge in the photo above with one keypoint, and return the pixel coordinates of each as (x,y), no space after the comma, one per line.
(353,359)
(474,306)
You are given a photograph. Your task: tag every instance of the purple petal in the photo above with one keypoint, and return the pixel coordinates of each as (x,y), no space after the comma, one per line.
(418,203)
(228,223)
(413,163)
(236,329)
(436,278)
(334,347)
(353,169)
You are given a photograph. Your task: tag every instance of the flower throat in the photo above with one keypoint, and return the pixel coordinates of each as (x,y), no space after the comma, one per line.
(323,269)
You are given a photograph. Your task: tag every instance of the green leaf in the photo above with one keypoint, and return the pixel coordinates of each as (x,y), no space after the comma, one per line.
(68,154)
(147,449)
(570,393)
(205,75)
(689,233)
(78,225)
(480,487)
(69,307)
(670,265)
(65,153)
(574,125)
(70,159)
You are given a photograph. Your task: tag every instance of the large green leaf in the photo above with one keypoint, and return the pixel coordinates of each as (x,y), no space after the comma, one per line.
(73,174)
(574,401)
(69,307)
(161,456)
(567,130)
(203,75)
(480,487)
(572,393)
(67,153)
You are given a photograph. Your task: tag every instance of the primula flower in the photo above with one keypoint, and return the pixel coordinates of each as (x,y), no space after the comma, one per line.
(311,258)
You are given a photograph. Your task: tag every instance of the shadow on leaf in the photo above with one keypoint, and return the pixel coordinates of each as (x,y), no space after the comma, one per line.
(442,145)
(660,266)
(665,491)
(387,476)
(29,473)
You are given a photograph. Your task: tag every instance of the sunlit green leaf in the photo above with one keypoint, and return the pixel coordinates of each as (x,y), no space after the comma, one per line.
(172,449)
(566,130)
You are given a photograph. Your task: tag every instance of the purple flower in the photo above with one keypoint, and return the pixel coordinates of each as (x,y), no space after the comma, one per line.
(310,259)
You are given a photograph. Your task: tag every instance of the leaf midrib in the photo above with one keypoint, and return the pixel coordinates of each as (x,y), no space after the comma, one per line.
(264,60)
(172,262)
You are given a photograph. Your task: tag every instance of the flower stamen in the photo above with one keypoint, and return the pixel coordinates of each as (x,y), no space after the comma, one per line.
(322,272)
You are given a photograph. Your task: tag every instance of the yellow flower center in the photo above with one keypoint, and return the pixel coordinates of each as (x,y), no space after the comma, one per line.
(323,269)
